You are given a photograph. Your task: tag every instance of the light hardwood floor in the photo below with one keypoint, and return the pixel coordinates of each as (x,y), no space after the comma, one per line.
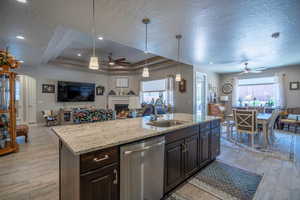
(32,174)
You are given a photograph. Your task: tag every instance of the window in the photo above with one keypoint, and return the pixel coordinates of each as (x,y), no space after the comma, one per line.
(257,92)
(152,91)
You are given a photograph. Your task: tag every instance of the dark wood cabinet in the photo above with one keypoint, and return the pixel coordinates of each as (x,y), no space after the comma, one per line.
(100,184)
(215,142)
(204,147)
(191,155)
(174,164)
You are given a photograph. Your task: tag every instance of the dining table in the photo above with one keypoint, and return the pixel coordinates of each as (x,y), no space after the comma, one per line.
(263,119)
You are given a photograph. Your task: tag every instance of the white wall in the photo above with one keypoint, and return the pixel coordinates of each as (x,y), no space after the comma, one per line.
(292,74)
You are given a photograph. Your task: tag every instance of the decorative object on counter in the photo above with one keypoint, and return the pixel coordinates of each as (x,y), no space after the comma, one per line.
(112,92)
(131,93)
(122,82)
(8,142)
(48,88)
(134,104)
(294,85)
(227,88)
(92,115)
(100,90)
(182,85)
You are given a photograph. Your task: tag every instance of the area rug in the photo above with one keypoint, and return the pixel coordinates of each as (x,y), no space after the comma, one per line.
(223,182)
(283,147)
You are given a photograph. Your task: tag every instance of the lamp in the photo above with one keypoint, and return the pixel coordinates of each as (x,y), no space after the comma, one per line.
(145,73)
(178,75)
(94,64)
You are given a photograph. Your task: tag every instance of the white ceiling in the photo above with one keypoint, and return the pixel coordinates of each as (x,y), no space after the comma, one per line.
(225,32)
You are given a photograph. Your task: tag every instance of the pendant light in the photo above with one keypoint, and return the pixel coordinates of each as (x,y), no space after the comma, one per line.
(94,63)
(178,75)
(145,73)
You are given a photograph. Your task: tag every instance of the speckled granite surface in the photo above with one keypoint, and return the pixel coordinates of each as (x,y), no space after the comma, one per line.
(84,138)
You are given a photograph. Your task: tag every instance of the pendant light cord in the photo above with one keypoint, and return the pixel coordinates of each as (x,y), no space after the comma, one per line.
(94,29)
(178,49)
(146,44)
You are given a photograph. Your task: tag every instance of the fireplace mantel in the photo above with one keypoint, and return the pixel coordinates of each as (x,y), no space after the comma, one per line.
(114,99)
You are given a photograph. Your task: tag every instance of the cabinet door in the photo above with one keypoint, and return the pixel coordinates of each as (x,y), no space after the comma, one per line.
(215,142)
(100,184)
(191,154)
(205,147)
(174,164)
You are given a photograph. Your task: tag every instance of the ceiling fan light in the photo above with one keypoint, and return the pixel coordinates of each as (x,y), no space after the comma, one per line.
(94,64)
(145,73)
(178,77)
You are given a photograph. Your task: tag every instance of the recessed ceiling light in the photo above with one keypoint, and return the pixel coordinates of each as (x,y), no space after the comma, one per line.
(79,54)
(100,38)
(22,1)
(20,37)
(211,63)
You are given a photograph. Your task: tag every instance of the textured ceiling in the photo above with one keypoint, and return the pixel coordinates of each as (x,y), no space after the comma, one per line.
(225,32)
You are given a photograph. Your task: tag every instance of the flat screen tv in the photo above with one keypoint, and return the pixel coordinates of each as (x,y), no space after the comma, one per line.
(75,92)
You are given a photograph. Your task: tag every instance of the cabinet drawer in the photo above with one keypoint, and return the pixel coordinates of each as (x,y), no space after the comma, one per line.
(98,159)
(205,125)
(215,123)
(181,134)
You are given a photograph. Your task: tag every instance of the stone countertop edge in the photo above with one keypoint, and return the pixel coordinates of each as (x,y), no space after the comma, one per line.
(130,139)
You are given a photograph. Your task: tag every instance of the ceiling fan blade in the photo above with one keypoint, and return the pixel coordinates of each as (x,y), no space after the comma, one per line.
(120,59)
(255,71)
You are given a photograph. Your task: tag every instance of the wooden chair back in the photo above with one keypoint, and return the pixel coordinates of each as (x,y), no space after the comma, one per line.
(246,121)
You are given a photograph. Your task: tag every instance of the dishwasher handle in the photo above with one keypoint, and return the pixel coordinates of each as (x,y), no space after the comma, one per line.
(144,148)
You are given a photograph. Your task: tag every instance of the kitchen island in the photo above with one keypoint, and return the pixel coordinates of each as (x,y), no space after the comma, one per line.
(90,153)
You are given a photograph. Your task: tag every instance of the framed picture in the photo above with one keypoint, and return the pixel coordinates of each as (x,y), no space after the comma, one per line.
(294,85)
(100,90)
(48,88)
(122,82)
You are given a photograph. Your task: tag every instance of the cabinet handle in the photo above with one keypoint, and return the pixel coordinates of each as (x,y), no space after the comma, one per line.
(116,177)
(184,148)
(101,159)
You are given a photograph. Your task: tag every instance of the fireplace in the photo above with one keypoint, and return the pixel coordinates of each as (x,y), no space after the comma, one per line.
(121,107)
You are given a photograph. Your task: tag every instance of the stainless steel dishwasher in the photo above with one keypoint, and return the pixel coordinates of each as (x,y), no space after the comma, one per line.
(142,169)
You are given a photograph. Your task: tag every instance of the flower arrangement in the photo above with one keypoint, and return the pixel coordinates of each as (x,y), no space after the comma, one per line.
(6,59)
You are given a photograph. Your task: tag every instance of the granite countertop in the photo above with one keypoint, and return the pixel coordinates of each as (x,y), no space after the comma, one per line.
(84,138)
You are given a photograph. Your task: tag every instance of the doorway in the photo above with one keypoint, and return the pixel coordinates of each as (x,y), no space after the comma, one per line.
(26,99)
(200,93)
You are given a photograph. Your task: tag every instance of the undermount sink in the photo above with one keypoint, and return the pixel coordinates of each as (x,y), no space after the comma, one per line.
(165,123)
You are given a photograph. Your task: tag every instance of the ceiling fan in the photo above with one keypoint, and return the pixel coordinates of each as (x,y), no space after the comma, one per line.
(247,70)
(119,61)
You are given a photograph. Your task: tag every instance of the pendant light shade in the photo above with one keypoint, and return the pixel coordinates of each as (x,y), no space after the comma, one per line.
(94,64)
(178,75)
(145,73)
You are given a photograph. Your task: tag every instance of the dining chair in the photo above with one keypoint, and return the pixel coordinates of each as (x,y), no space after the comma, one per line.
(246,122)
(271,125)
